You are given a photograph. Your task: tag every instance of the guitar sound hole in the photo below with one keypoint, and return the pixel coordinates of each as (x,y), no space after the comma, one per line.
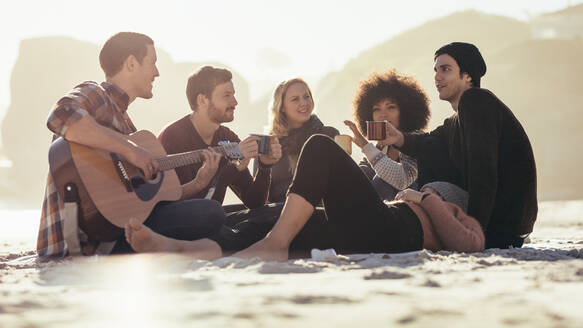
(137,181)
(153,177)
(144,189)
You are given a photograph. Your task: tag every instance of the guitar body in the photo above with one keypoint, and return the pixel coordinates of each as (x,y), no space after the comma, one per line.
(110,190)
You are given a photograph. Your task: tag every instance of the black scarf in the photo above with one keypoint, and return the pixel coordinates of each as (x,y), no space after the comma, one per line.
(292,143)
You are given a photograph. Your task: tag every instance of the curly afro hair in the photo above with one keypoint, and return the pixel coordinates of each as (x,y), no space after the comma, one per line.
(405,91)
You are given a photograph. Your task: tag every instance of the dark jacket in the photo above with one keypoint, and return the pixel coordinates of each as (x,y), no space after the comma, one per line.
(492,153)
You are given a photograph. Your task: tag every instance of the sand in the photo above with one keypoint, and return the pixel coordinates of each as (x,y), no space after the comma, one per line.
(539,285)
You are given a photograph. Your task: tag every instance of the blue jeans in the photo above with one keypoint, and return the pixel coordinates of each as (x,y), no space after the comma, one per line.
(185,220)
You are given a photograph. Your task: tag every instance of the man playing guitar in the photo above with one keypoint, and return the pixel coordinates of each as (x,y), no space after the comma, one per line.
(95,115)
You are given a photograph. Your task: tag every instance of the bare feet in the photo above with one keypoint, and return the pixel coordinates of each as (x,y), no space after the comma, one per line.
(144,240)
(265,249)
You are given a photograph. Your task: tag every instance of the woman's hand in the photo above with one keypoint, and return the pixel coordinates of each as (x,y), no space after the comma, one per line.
(358,138)
(410,195)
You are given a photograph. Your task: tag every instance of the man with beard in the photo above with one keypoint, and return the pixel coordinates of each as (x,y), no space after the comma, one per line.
(485,149)
(211,96)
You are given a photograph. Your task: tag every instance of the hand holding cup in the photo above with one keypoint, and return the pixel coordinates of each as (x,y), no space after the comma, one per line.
(269,149)
(393,137)
(249,147)
(376,130)
(358,138)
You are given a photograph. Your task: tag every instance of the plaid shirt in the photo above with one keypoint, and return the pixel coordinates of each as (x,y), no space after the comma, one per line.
(107,104)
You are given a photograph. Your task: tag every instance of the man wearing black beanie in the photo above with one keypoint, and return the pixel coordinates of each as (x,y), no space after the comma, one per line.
(485,149)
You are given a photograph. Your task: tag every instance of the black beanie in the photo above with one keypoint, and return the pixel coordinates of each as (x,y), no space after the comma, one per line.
(468,58)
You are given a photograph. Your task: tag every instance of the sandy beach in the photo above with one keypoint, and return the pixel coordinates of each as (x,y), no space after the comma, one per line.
(539,285)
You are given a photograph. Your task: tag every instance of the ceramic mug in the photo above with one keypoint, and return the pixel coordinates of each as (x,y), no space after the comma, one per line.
(376,130)
(262,143)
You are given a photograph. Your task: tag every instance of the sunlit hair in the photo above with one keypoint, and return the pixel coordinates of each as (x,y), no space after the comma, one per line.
(403,90)
(203,81)
(119,47)
(279,125)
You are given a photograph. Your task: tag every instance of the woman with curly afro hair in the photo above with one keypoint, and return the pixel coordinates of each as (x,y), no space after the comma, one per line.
(401,101)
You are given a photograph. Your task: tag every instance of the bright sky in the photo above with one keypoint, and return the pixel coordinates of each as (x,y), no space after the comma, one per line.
(264,40)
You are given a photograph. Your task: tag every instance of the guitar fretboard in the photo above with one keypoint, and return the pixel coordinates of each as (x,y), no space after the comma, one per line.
(182,159)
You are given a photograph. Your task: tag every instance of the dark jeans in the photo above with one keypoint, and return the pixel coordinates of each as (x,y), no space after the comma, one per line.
(358,220)
(185,220)
(231,208)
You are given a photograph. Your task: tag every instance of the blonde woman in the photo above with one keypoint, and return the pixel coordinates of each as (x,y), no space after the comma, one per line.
(293,123)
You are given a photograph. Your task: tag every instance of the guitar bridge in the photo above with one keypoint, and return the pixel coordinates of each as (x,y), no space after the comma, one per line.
(122,172)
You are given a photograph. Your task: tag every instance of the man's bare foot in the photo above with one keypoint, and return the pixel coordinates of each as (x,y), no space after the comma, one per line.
(265,249)
(144,240)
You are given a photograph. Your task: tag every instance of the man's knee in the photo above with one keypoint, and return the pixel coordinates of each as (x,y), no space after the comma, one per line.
(208,213)
(215,213)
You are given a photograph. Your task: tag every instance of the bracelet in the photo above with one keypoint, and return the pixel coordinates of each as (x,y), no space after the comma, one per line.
(425,196)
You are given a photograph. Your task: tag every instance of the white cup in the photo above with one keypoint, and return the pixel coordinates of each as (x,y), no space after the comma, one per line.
(345,142)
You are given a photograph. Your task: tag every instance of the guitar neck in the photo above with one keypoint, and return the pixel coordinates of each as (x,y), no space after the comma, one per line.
(173,161)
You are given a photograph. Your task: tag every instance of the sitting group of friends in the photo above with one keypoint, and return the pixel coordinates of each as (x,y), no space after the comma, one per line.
(467,185)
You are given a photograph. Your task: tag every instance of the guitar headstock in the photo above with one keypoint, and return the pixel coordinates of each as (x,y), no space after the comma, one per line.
(231,150)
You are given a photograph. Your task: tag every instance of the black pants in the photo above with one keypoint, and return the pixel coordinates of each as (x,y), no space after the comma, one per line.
(244,227)
(353,220)
(358,220)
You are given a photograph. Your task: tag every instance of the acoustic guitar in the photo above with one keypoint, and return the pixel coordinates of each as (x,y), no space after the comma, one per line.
(110,190)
